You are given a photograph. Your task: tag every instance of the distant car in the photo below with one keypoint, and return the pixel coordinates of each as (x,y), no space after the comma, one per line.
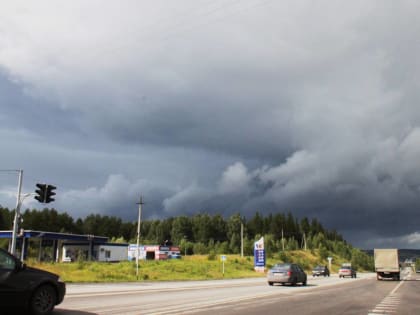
(286,273)
(175,256)
(320,271)
(346,271)
(32,290)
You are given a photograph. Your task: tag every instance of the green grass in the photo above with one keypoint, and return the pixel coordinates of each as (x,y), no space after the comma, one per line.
(197,267)
(188,268)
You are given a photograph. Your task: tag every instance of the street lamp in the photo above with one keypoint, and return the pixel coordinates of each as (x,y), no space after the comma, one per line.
(12,248)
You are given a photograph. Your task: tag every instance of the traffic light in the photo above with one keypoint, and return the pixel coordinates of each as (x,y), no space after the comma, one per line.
(45,193)
(49,193)
(42,188)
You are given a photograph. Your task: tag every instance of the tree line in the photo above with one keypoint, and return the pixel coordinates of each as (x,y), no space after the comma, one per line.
(202,228)
(201,233)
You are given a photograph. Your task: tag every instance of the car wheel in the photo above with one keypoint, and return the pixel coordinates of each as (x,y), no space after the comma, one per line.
(270,283)
(43,300)
(304,282)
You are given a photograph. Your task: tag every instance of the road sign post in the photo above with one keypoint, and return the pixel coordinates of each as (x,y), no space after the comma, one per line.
(329,263)
(223,259)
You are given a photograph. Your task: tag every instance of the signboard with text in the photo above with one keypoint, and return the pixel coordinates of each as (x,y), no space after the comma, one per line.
(259,255)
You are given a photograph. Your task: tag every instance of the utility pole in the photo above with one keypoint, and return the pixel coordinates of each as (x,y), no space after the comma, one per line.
(140,203)
(282,239)
(242,239)
(304,240)
(17,214)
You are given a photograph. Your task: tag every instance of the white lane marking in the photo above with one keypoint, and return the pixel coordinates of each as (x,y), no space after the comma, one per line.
(390,303)
(396,288)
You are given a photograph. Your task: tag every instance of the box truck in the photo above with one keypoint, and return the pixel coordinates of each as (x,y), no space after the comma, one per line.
(387,264)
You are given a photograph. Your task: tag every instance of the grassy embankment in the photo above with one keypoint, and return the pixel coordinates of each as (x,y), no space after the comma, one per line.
(197,267)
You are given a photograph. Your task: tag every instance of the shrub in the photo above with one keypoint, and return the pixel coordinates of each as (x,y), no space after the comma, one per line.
(211,256)
(283,256)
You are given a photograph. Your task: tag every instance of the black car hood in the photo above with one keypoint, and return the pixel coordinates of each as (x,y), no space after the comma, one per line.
(40,272)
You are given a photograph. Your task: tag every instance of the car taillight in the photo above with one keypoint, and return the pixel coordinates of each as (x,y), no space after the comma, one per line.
(289,273)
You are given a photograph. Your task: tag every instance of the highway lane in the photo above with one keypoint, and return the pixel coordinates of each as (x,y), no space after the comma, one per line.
(403,299)
(246,296)
(369,297)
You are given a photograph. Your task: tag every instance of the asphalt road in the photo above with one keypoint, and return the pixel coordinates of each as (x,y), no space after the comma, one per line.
(331,295)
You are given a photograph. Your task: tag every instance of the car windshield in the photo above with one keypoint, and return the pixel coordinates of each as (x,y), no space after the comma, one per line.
(6,262)
(319,268)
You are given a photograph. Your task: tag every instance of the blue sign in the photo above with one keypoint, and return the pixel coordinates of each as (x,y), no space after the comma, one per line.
(259,254)
(259,258)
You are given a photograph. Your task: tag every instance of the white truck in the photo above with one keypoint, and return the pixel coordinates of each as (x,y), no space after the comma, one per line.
(387,264)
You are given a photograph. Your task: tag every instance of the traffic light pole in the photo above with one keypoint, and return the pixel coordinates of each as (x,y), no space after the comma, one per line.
(17,214)
(46,198)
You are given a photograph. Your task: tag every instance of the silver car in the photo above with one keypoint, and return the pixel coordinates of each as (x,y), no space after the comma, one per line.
(286,273)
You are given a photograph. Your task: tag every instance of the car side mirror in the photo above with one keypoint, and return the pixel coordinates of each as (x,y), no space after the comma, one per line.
(20,266)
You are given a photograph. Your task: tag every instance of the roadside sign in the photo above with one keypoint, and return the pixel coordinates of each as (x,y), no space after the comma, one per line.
(223,259)
(329,262)
(259,255)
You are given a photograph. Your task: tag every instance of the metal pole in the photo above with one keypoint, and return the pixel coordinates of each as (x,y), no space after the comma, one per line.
(282,239)
(22,252)
(242,239)
(140,203)
(17,214)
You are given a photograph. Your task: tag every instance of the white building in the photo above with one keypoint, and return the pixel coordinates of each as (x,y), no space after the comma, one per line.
(100,252)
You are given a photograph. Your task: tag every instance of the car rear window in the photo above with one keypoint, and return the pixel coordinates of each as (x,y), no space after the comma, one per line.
(281,266)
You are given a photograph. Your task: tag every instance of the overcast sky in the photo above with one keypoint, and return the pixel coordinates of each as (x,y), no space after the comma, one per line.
(218,106)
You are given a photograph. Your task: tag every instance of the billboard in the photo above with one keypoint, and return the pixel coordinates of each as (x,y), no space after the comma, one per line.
(154,252)
(259,255)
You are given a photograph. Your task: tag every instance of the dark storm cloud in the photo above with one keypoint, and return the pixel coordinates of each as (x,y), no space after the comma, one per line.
(22,111)
(210,125)
(222,106)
